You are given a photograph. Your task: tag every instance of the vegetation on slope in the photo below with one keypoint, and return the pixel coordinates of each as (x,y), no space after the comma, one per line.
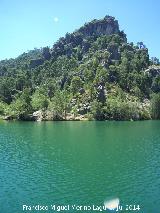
(92,73)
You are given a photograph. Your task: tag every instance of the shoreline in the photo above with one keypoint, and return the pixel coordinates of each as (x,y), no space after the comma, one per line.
(78,120)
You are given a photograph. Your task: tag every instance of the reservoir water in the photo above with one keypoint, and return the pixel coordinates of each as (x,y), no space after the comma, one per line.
(79,163)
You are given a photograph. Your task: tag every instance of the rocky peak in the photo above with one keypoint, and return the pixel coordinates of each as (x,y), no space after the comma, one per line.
(106,26)
(85,35)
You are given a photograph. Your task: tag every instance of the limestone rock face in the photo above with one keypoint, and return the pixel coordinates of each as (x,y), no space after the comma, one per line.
(153,71)
(38,115)
(106,26)
(46,116)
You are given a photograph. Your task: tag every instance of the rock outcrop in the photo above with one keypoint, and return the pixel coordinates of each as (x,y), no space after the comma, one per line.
(106,26)
(49,116)
(153,71)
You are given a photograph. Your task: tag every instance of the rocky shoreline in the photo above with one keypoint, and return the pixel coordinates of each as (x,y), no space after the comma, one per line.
(40,115)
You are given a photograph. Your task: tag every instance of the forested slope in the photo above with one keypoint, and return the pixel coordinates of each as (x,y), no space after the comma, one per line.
(92,73)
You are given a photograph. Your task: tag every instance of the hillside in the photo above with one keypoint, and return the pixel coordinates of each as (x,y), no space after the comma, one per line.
(92,73)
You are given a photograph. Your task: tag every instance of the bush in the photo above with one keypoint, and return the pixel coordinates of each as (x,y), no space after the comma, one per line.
(2,108)
(39,101)
(118,109)
(97,110)
(155,106)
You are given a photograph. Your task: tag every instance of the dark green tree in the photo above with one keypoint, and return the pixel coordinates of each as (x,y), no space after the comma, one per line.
(155,103)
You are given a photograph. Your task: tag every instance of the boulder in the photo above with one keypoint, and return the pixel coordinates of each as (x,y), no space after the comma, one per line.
(8,117)
(38,115)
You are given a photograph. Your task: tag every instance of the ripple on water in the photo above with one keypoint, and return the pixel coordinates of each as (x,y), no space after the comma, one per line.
(39,164)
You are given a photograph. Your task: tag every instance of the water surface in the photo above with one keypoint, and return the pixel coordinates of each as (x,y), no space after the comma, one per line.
(79,163)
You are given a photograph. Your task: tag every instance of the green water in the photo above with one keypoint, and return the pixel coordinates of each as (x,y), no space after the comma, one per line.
(81,163)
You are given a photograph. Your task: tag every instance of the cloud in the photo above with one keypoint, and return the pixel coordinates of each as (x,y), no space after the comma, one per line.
(56,19)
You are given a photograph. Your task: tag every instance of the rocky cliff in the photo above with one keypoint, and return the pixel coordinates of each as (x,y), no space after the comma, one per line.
(153,71)
(81,37)
(106,26)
